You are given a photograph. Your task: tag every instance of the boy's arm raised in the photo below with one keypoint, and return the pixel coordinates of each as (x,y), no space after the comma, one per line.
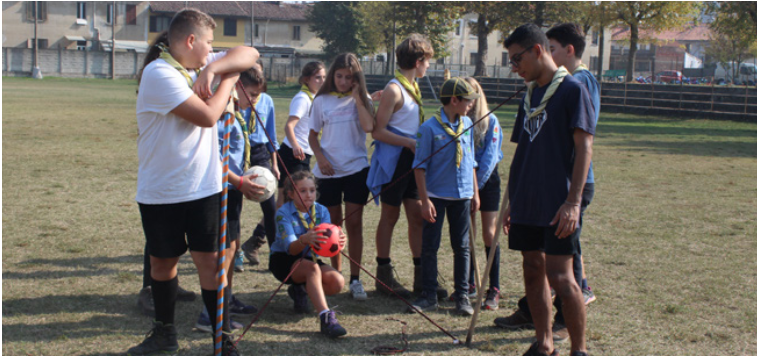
(237,59)
(206,113)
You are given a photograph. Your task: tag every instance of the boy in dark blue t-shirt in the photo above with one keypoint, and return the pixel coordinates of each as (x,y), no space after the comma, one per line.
(553,132)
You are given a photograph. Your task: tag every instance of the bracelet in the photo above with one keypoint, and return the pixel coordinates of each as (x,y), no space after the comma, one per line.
(568,203)
(242,181)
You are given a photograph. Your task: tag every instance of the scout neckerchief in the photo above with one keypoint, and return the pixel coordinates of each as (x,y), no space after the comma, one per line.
(340,95)
(253,117)
(580,67)
(245,131)
(307,225)
(166,56)
(307,91)
(557,80)
(455,134)
(414,91)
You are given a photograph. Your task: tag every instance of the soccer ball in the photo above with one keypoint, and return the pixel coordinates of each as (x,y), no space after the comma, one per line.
(265,178)
(332,246)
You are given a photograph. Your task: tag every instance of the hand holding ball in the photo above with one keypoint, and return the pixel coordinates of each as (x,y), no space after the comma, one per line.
(264,178)
(331,245)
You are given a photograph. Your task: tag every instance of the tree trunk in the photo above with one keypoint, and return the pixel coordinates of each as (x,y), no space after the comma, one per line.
(482,48)
(539,13)
(634,38)
(601,53)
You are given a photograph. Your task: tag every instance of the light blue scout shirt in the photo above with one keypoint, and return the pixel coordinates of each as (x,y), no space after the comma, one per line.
(289,227)
(488,152)
(383,163)
(585,77)
(236,147)
(444,180)
(265,109)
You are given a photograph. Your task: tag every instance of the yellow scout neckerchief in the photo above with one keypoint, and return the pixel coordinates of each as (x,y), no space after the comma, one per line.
(557,80)
(245,131)
(454,134)
(307,225)
(580,67)
(414,91)
(307,91)
(340,95)
(166,56)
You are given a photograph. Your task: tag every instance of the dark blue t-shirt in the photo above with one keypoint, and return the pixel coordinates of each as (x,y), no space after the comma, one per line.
(587,79)
(542,166)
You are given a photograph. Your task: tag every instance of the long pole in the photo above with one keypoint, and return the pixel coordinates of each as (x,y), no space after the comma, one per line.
(36,73)
(113,42)
(252,23)
(221,272)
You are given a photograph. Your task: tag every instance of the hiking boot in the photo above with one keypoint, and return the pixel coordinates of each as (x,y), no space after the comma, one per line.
(300,297)
(424,303)
(386,274)
(145,301)
(237,307)
(228,348)
(517,320)
(239,262)
(560,332)
(418,285)
(329,325)
(185,295)
(251,246)
(534,351)
(161,339)
(203,323)
(493,299)
(589,296)
(357,290)
(463,305)
(471,292)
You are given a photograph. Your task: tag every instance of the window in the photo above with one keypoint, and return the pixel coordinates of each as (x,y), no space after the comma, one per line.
(109,14)
(81,10)
(594,63)
(296,32)
(474,58)
(81,45)
(230,27)
(595,37)
(131,14)
(159,23)
(458,28)
(505,60)
(41,43)
(31,11)
(256,30)
(642,66)
(441,61)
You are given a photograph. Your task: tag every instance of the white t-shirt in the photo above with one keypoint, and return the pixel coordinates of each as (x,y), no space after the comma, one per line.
(343,141)
(300,107)
(178,160)
(406,119)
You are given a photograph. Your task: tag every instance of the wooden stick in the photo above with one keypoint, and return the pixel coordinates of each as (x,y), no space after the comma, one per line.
(490,259)
(471,241)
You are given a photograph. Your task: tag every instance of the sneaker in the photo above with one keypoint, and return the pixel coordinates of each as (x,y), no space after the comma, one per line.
(203,323)
(589,296)
(579,353)
(300,297)
(185,295)
(517,320)
(145,301)
(492,300)
(471,292)
(357,290)
(560,333)
(237,307)
(161,339)
(329,325)
(463,306)
(386,274)
(534,351)
(239,262)
(228,348)
(424,303)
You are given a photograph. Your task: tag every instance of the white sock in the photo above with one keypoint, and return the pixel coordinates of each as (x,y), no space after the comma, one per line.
(322,313)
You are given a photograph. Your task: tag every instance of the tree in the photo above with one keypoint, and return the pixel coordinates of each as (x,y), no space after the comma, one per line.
(490,15)
(653,15)
(733,36)
(433,19)
(377,16)
(340,26)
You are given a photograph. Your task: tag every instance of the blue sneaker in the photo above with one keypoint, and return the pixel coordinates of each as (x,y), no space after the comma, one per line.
(203,323)
(329,325)
(237,307)
(239,261)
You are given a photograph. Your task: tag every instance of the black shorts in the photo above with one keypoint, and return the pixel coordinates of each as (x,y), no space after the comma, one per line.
(233,211)
(393,193)
(354,187)
(259,156)
(489,195)
(291,164)
(537,238)
(171,229)
(280,264)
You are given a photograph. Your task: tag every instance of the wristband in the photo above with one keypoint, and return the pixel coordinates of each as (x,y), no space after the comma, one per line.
(242,181)
(568,203)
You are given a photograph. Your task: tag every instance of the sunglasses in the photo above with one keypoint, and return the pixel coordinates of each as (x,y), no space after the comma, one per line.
(516,59)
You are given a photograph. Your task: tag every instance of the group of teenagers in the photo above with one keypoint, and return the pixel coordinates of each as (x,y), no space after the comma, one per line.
(435,166)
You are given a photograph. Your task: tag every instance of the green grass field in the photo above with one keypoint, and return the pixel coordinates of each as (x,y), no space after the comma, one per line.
(670,242)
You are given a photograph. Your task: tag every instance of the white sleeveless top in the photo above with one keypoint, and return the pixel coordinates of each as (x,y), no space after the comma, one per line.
(406,119)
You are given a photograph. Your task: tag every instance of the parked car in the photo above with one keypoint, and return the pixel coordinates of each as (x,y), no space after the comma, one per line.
(669,77)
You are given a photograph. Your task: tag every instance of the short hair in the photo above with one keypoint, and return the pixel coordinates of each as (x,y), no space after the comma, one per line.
(254,77)
(569,34)
(526,36)
(309,70)
(415,47)
(187,22)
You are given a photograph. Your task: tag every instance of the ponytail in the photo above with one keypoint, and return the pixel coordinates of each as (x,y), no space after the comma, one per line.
(153,53)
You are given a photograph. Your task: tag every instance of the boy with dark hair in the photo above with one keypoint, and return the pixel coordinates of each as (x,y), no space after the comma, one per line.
(179,178)
(447,184)
(398,117)
(567,43)
(553,132)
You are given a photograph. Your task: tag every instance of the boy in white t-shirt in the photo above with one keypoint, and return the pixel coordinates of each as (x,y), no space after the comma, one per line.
(179,178)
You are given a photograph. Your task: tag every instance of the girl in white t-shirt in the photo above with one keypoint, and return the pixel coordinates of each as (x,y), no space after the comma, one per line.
(295,151)
(343,113)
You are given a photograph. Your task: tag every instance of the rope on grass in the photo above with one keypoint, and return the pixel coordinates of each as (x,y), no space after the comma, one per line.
(390,350)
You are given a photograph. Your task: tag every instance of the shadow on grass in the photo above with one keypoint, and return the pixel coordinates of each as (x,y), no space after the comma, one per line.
(695,148)
(85,267)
